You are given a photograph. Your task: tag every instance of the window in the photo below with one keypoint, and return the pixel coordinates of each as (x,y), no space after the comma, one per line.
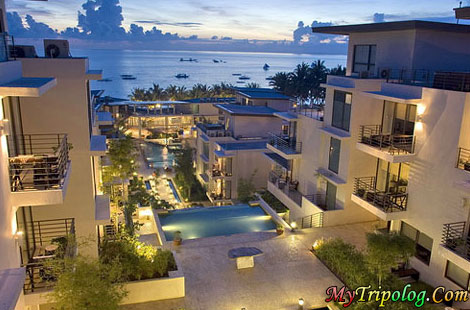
(457,275)
(335,149)
(364,58)
(330,196)
(341,110)
(423,242)
(205,149)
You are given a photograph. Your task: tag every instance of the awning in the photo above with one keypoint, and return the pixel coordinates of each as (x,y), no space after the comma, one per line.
(222,154)
(277,159)
(102,209)
(98,145)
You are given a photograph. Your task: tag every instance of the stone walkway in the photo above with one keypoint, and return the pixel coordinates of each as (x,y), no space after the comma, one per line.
(286,272)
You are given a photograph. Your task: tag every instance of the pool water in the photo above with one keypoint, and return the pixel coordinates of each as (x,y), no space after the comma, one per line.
(159,156)
(215,221)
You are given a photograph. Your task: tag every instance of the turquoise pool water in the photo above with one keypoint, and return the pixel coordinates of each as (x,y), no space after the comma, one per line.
(159,156)
(215,221)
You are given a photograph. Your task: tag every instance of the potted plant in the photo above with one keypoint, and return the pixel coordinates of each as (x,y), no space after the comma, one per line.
(177,238)
(279,230)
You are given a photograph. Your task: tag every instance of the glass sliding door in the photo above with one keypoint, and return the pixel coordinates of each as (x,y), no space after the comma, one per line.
(330,196)
(398,118)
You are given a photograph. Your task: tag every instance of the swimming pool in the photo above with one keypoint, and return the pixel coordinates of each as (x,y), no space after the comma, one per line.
(158,155)
(215,221)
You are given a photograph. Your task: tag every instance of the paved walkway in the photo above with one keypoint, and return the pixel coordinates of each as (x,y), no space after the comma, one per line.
(286,272)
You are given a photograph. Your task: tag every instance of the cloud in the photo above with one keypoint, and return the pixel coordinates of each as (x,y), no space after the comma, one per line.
(175,24)
(379,17)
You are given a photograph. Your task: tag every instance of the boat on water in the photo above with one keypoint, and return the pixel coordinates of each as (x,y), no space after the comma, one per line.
(181,76)
(189,59)
(269,78)
(215,61)
(266,67)
(241,82)
(105,80)
(244,77)
(127,77)
(236,74)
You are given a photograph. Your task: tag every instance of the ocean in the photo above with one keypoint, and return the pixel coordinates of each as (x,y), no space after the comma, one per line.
(161,67)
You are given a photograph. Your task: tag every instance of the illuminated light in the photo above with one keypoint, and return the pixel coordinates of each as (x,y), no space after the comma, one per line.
(420,109)
(301,302)
(317,244)
(419,125)
(293,225)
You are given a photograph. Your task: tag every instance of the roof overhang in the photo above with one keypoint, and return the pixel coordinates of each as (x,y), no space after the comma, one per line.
(27,87)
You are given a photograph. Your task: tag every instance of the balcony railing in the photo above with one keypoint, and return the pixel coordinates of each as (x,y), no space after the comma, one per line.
(395,144)
(287,145)
(393,201)
(288,188)
(4,51)
(214,130)
(46,240)
(457,81)
(312,111)
(319,200)
(216,172)
(40,162)
(463,161)
(455,239)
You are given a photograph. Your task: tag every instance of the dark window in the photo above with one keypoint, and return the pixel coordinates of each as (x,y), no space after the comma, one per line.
(335,149)
(205,149)
(457,275)
(364,58)
(341,110)
(330,196)
(423,242)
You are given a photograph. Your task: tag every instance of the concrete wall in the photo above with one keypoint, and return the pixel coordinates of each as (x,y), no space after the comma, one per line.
(64,109)
(254,126)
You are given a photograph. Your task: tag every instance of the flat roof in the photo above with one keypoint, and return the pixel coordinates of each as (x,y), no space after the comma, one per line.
(27,87)
(256,94)
(255,89)
(250,110)
(288,116)
(393,26)
(245,145)
(211,100)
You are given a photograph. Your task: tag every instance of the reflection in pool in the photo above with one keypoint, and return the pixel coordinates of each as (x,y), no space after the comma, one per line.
(158,156)
(215,221)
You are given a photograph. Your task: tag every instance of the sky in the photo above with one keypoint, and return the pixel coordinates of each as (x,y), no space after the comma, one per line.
(240,19)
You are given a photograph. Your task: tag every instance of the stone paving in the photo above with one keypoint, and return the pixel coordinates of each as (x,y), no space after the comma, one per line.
(285,272)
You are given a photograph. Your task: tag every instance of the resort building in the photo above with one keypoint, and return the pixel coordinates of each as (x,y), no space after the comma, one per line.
(393,144)
(49,163)
(233,148)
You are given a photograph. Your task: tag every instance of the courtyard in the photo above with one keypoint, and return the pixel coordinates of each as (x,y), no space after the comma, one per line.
(285,272)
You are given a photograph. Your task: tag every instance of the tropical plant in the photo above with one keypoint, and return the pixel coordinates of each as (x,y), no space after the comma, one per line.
(253,85)
(87,284)
(184,168)
(173,92)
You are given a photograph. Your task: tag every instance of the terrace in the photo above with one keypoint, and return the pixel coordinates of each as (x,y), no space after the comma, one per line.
(288,147)
(456,240)
(385,204)
(214,130)
(463,161)
(39,166)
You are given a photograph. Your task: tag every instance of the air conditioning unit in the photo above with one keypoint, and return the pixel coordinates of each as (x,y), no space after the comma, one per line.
(22,51)
(56,48)
(385,73)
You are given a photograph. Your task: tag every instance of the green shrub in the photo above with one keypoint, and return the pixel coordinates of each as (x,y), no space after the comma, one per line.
(138,260)
(275,203)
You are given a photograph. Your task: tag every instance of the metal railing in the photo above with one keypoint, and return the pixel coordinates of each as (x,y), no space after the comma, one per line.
(463,161)
(288,188)
(449,80)
(214,130)
(39,161)
(287,145)
(40,236)
(319,200)
(312,111)
(392,201)
(4,50)
(313,220)
(455,239)
(395,144)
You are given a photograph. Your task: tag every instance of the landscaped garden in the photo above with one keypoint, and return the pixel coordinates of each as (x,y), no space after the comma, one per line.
(372,267)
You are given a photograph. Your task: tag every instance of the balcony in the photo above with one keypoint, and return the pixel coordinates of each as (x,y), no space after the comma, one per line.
(214,130)
(286,147)
(456,241)
(46,240)
(463,161)
(394,148)
(4,38)
(217,172)
(40,170)
(278,184)
(313,111)
(385,205)
(319,200)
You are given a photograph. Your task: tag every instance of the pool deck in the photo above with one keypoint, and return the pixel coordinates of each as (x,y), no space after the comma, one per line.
(286,272)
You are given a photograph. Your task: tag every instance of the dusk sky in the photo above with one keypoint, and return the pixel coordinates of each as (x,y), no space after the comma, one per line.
(241,19)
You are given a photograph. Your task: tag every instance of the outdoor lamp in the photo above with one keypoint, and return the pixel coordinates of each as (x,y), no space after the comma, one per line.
(301,304)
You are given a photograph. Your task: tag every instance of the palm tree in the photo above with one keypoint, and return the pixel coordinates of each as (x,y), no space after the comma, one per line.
(253,85)
(172,92)
(338,70)
(318,72)
(281,82)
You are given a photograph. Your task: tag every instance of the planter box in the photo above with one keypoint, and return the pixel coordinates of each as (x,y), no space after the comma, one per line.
(155,289)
